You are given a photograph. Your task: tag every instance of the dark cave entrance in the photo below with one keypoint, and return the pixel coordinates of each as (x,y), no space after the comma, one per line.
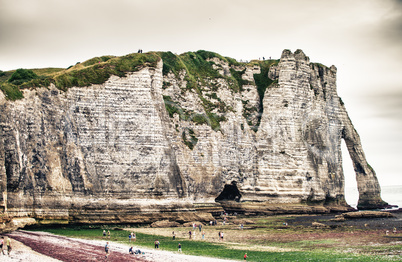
(229,192)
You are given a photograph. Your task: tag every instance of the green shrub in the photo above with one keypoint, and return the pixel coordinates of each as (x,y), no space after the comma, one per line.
(12,92)
(171,63)
(240,81)
(22,75)
(200,119)
(192,141)
(96,60)
(171,107)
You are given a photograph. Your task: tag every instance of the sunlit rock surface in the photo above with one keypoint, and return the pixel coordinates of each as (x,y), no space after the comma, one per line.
(111,153)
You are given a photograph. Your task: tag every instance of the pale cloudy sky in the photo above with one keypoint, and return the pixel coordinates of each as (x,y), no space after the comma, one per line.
(363,38)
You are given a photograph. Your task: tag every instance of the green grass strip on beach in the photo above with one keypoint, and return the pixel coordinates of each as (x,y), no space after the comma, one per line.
(204,248)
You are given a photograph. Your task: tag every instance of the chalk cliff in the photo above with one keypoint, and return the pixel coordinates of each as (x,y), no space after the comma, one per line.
(178,139)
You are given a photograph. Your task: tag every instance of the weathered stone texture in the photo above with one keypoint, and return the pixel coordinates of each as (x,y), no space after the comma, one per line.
(111,152)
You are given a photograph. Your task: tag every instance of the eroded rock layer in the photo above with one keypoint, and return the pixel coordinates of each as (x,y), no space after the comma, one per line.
(167,143)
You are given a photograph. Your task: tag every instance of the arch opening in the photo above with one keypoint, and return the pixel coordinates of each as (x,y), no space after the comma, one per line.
(351,191)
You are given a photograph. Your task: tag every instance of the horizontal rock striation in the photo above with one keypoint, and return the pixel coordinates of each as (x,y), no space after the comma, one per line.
(180,140)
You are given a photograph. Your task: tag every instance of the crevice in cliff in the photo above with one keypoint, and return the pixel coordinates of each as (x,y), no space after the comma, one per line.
(262,81)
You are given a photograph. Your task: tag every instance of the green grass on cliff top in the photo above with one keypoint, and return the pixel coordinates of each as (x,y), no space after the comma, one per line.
(200,76)
(98,69)
(94,71)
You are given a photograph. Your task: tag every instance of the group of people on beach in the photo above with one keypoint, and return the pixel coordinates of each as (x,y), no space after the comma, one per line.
(5,246)
(393,231)
(104,234)
(132,237)
(192,234)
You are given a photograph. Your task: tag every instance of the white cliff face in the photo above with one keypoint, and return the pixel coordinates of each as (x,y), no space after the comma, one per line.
(301,134)
(112,151)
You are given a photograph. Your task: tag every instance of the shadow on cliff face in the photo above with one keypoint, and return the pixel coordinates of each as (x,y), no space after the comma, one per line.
(229,192)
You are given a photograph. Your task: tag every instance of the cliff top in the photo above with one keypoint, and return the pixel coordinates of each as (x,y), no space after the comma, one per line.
(97,70)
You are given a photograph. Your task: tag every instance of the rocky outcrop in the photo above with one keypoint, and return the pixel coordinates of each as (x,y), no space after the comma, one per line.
(163,141)
(367,214)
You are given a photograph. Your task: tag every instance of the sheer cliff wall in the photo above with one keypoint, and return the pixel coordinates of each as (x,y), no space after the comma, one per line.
(163,143)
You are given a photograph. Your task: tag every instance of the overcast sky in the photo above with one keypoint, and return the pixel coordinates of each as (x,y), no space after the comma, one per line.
(362,38)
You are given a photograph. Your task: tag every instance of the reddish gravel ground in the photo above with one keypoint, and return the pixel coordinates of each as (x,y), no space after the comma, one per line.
(69,250)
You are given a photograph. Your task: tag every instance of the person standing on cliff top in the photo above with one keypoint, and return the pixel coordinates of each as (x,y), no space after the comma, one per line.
(189,234)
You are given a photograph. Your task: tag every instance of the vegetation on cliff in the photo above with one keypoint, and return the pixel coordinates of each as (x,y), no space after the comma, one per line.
(94,71)
(202,76)
(197,68)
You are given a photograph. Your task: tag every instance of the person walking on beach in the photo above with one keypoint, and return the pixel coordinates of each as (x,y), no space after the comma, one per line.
(173,236)
(203,235)
(8,243)
(1,245)
(189,234)
(179,247)
(107,247)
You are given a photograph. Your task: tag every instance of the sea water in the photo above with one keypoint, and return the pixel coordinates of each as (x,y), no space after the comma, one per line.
(390,194)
